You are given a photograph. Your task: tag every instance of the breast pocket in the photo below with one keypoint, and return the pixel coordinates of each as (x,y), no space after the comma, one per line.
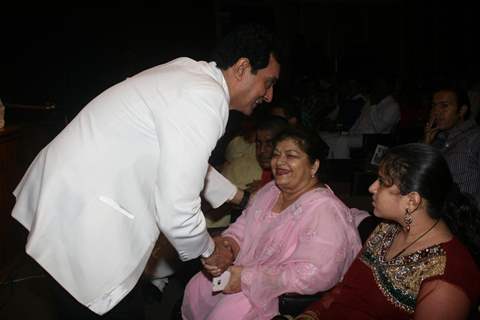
(114,205)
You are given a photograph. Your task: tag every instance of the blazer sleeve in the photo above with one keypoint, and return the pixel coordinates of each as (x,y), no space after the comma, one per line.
(218,189)
(187,131)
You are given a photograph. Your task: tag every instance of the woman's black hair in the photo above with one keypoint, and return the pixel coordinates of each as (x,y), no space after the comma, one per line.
(309,142)
(421,168)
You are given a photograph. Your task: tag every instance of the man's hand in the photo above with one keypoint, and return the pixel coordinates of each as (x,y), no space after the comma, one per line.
(221,258)
(430,131)
(235,283)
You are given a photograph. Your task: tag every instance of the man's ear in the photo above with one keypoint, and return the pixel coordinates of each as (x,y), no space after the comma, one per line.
(240,67)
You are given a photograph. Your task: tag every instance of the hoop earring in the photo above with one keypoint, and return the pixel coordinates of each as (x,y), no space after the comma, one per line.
(407,219)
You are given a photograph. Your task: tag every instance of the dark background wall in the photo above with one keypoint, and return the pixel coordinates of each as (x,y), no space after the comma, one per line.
(68,55)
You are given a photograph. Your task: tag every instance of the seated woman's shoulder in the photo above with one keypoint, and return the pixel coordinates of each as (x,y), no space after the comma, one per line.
(267,191)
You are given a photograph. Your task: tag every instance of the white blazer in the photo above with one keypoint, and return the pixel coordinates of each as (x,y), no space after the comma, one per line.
(132,163)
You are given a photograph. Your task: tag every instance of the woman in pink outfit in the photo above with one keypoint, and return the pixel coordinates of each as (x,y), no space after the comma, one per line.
(294,236)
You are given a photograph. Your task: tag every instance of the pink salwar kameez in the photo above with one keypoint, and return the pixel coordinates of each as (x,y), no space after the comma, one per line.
(306,248)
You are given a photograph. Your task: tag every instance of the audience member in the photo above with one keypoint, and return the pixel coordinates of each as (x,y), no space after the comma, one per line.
(266,131)
(351,101)
(248,170)
(316,101)
(288,109)
(422,262)
(235,127)
(457,139)
(241,147)
(379,117)
(294,236)
(383,112)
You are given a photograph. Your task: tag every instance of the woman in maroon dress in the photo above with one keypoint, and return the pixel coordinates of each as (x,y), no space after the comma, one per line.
(422,262)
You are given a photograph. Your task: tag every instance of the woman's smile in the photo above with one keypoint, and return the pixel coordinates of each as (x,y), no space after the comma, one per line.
(281,172)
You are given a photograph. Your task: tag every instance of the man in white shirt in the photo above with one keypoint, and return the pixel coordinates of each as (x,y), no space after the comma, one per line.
(380,116)
(132,164)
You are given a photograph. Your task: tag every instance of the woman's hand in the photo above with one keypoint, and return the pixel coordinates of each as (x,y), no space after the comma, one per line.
(235,283)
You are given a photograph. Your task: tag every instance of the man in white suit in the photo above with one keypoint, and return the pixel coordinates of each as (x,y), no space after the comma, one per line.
(132,164)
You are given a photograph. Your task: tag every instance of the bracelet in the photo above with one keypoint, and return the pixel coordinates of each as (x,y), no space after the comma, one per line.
(243,203)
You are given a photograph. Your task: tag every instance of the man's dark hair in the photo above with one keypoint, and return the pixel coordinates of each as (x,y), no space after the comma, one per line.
(251,41)
(460,95)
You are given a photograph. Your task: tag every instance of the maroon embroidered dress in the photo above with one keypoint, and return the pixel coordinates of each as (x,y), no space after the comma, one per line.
(375,288)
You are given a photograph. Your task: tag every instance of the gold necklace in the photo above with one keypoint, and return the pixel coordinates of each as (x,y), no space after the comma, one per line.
(414,241)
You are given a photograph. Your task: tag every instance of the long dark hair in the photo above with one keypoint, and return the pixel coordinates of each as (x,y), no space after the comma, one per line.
(418,167)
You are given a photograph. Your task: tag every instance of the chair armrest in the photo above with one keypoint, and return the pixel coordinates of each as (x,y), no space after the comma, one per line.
(366,227)
(294,303)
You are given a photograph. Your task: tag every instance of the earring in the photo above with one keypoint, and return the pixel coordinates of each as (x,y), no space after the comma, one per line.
(407,219)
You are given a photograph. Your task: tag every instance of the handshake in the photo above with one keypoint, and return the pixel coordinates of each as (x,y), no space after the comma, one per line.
(226,250)
(226,276)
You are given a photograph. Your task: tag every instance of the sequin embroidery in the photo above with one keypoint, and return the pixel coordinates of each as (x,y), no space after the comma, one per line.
(400,278)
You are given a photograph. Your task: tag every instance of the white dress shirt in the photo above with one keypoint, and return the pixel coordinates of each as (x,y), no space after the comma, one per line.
(378,118)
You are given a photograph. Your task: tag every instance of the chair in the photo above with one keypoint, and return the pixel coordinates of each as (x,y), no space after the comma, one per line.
(293,303)
(362,156)
(366,160)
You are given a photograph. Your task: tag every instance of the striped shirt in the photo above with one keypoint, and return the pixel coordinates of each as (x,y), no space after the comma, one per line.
(461,148)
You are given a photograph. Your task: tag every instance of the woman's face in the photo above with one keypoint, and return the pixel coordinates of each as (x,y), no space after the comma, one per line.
(291,166)
(387,201)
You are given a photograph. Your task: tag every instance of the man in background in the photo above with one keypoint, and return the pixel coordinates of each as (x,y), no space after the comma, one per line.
(457,138)
(251,170)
